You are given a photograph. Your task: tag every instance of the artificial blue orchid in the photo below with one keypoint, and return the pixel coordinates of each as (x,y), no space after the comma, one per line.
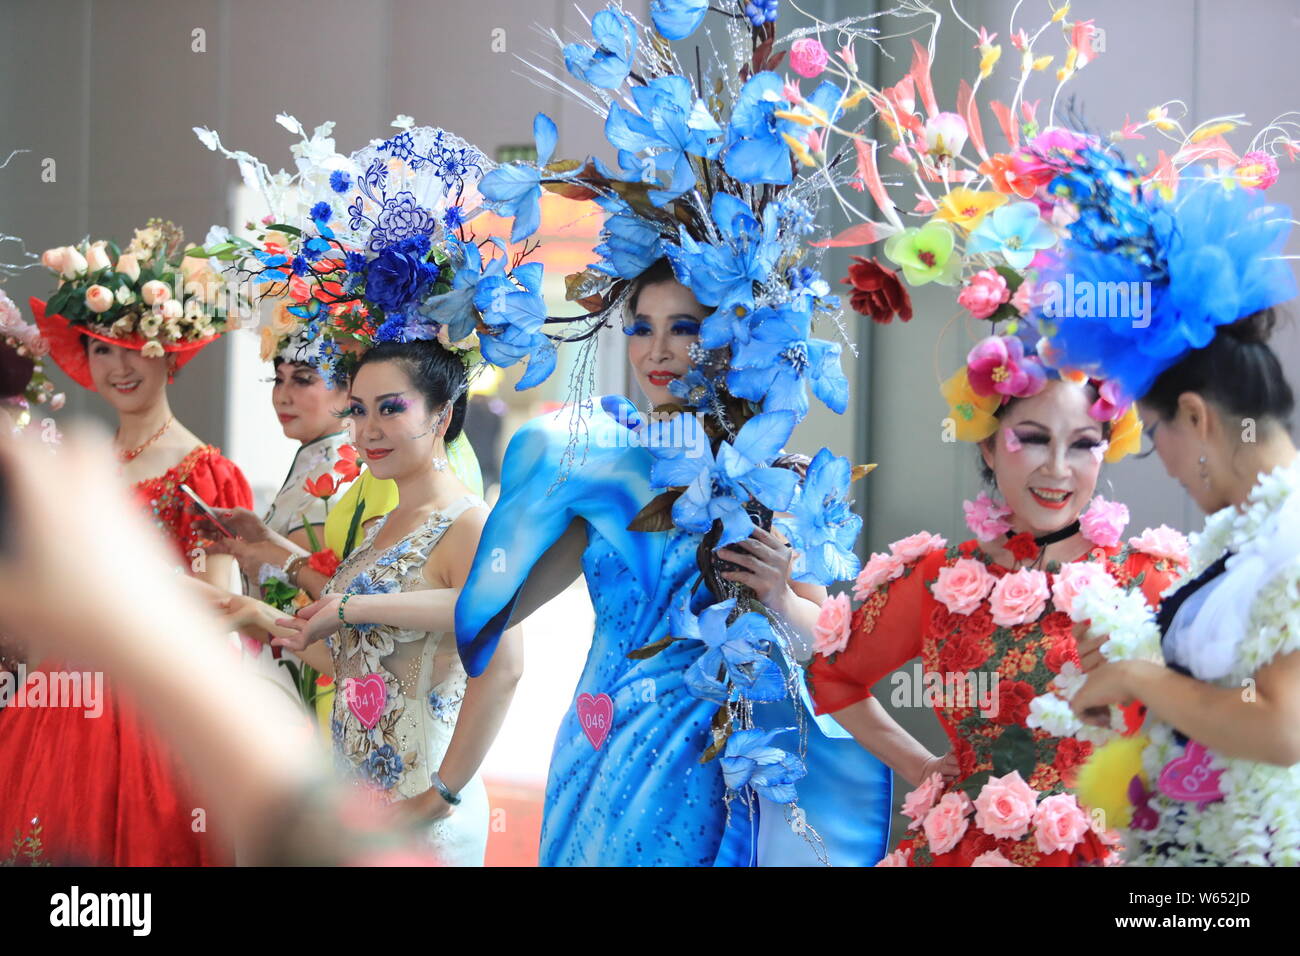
(630,245)
(723,274)
(455,309)
(516,190)
(750,759)
(678,19)
(735,663)
(771,365)
(717,487)
(674,124)
(514,311)
(822,525)
(757,151)
(1015,230)
(608,64)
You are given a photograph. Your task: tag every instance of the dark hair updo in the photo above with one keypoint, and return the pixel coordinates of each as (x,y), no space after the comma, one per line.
(661,270)
(437,374)
(15,372)
(1238,372)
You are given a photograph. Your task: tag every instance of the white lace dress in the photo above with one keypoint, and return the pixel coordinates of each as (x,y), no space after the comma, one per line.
(400,691)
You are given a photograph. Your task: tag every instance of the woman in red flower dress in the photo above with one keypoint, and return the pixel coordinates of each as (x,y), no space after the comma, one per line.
(93,782)
(988,619)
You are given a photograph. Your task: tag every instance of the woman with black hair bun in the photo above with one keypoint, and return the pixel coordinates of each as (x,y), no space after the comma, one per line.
(1219,777)
(407,721)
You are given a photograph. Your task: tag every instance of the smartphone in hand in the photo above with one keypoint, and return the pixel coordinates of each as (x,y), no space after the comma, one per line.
(205,510)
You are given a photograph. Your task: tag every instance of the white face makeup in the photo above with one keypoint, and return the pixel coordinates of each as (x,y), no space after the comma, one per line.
(660,335)
(1044,456)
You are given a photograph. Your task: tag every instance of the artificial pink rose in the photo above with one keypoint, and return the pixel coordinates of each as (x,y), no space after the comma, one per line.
(1104,521)
(97,258)
(1111,403)
(155,292)
(917,545)
(52,259)
(1005,807)
(1019,597)
(1027,298)
(808,57)
(992,858)
(1162,543)
(918,803)
(946,822)
(984,293)
(128,266)
(99,299)
(831,631)
(897,858)
(878,569)
(74,263)
(1075,577)
(1059,823)
(962,585)
(1256,170)
(985,517)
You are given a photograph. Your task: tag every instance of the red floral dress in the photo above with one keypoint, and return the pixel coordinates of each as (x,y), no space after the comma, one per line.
(98,788)
(965,655)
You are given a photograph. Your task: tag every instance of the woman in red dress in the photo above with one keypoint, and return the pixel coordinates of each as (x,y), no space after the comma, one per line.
(989,620)
(92,781)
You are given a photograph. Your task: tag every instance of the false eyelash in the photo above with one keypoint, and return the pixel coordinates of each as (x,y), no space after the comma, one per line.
(394,405)
(687,328)
(343,413)
(633,329)
(272,380)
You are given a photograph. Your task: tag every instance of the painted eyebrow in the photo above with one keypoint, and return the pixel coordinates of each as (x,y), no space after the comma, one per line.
(1030,421)
(641,317)
(378,398)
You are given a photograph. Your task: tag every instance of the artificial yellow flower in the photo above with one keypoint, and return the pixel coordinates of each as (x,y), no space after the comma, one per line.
(989,59)
(854,98)
(1060,14)
(1160,116)
(1125,436)
(967,207)
(971,413)
(1043,62)
(794,116)
(799,149)
(1215,129)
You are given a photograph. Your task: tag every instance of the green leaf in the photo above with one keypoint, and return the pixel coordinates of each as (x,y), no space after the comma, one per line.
(973,784)
(283,227)
(651,649)
(1015,750)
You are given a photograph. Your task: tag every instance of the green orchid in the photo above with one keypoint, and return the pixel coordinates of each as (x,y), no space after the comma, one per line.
(925,254)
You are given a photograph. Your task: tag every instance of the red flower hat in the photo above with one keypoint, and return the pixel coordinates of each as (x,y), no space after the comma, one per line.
(70,354)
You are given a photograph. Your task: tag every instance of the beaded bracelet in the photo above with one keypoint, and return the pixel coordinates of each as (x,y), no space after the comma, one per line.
(342,605)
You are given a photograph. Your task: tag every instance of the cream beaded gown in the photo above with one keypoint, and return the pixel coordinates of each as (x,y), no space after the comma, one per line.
(400,691)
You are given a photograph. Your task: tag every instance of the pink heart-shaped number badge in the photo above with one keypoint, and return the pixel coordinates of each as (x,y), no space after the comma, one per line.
(366,697)
(596,715)
(1190,778)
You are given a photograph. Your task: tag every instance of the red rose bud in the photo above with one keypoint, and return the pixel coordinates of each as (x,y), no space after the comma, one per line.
(877,292)
(324,562)
(322,487)
(1022,546)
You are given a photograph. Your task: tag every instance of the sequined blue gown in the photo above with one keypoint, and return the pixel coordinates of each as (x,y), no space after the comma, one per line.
(642,797)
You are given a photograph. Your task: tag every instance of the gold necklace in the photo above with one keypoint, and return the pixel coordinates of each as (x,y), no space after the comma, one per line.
(132,453)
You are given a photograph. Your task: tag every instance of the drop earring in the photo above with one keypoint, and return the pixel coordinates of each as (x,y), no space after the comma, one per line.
(1205,473)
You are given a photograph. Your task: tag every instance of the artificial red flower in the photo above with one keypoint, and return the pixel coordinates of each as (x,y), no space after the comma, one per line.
(961,654)
(877,291)
(324,680)
(324,562)
(1022,546)
(347,466)
(1070,753)
(322,487)
(1063,651)
(1013,702)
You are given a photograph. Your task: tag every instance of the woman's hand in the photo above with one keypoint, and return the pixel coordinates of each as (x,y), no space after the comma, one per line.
(1107,684)
(765,563)
(251,617)
(241,522)
(251,556)
(946,766)
(1090,655)
(419,810)
(317,621)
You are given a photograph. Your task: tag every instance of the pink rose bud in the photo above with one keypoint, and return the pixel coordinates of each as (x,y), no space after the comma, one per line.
(52,259)
(96,258)
(74,263)
(984,294)
(99,299)
(808,57)
(155,292)
(128,266)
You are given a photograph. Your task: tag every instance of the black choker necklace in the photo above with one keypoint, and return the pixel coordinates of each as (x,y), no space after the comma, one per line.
(1067,532)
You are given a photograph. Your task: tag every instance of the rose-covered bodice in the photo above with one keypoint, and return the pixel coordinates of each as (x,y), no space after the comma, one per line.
(400,691)
(990,640)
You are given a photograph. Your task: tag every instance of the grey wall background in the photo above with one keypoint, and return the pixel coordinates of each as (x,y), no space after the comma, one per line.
(109,89)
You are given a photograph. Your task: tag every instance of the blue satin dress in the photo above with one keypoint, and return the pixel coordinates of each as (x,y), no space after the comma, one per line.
(630,790)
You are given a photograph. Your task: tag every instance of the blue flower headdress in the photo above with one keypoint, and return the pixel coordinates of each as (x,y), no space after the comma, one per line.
(378,246)
(1207,251)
